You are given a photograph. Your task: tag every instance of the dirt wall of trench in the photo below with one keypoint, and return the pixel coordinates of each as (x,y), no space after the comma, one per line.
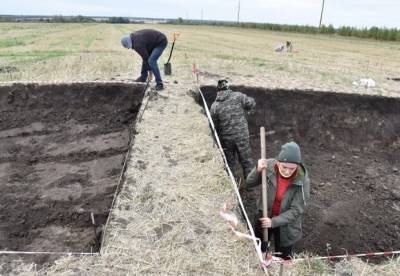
(351,147)
(62,149)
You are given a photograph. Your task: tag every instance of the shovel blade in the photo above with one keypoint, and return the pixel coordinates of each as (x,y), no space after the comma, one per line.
(167,69)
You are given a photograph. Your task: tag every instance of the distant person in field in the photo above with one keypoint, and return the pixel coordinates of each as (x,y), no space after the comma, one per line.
(289,46)
(149,44)
(288,190)
(229,116)
(279,48)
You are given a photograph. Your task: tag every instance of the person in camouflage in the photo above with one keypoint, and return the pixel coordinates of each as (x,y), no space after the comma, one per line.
(228,114)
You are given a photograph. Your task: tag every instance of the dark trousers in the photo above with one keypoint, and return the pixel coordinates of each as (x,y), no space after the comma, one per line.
(286,252)
(152,63)
(241,147)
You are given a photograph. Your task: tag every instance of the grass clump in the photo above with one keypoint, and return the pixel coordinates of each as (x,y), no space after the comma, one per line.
(11,42)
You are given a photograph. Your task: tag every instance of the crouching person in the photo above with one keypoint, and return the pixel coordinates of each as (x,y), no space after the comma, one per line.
(288,189)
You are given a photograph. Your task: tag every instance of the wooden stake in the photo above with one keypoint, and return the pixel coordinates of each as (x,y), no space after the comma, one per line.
(264,182)
(281,270)
(94,225)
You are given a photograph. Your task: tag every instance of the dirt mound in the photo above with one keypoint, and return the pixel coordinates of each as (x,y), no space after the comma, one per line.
(351,147)
(62,149)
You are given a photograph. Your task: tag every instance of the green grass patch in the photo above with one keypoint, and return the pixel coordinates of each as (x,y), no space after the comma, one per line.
(260,62)
(281,68)
(91,38)
(32,56)
(66,42)
(11,42)
(228,57)
(251,60)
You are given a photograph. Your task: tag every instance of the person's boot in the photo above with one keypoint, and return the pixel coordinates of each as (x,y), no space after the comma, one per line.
(140,79)
(159,86)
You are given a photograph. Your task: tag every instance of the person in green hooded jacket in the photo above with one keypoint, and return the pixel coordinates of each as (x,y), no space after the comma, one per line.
(288,190)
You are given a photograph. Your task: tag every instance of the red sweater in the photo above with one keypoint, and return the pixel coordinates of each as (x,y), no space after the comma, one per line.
(281,186)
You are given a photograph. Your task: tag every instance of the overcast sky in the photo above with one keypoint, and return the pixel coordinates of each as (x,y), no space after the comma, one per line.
(359,13)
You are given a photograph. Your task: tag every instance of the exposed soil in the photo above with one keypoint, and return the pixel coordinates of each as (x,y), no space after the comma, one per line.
(62,149)
(351,147)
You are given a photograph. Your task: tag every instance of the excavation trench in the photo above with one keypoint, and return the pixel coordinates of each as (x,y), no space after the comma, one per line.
(351,147)
(62,152)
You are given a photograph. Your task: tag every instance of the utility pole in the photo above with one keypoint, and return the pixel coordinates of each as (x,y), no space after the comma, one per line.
(201,16)
(322,12)
(238,16)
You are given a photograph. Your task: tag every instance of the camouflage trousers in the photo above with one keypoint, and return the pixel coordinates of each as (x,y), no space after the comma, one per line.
(241,147)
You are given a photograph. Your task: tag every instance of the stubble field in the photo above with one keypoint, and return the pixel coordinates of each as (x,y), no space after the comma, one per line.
(67,52)
(90,52)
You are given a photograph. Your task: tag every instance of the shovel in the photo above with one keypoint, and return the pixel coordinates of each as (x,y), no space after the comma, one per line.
(167,66)
(264,186)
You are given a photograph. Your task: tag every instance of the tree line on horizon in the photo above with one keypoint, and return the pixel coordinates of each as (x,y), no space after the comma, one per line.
(67,19)
(385,34)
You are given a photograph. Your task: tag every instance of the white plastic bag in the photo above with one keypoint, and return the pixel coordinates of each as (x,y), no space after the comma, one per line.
(367,83)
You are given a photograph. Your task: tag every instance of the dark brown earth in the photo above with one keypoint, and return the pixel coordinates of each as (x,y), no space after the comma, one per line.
(351,147)
(62,149)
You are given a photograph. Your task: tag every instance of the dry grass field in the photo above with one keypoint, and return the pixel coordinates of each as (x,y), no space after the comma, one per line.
(174,126)
(60,52)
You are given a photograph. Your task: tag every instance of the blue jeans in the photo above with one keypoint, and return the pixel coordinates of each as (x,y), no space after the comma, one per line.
(152,63)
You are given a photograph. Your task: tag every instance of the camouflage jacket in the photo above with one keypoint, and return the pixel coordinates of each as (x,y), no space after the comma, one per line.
(229,113)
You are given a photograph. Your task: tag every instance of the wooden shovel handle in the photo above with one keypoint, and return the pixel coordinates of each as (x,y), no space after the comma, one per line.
(149,76)
(264,182)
